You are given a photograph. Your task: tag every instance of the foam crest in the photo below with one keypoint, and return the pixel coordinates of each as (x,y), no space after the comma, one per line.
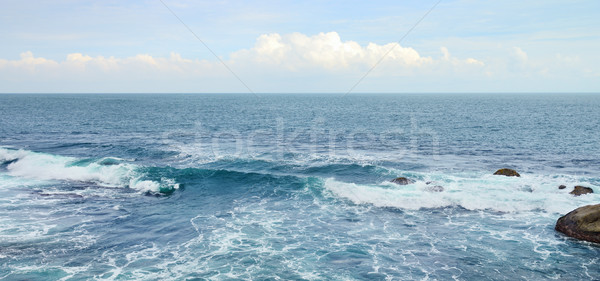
(472,192)
(205,151)
(108,171)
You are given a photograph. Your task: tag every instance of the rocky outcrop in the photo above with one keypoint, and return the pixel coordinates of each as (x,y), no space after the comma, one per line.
(507,172)
(562,186)
(582,223)
(402,181)
(579,190)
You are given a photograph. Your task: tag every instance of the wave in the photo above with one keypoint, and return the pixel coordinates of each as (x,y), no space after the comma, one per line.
(360,184)
(207,153)
(472,192)
(107,171)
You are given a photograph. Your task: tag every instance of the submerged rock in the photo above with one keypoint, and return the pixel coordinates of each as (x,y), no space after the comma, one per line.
(579,190)
(402,181)
(435,188)
(63,195)
(562,186)
(582,223)
(507,172)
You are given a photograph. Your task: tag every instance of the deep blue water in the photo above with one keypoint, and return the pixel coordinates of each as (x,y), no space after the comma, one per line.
(294,187)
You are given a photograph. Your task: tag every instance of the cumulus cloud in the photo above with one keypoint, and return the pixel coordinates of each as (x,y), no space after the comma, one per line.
(295,55)
(456,61)
(80,63)
(27,62)
(326,50)
(293,52)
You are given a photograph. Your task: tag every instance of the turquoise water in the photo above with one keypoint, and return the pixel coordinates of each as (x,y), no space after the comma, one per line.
(294,187)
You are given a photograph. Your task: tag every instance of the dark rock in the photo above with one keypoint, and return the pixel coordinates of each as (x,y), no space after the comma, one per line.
(402,181)
(435,188)
(507,172)
(562,186)
(579,190)
(61,195)
(582,223)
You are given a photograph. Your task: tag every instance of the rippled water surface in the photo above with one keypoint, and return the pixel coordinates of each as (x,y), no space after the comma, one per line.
(294,187)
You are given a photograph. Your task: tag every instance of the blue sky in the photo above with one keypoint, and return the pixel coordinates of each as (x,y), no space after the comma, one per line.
(300,46)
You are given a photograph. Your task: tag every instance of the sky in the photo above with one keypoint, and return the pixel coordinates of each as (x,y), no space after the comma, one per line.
(460,46)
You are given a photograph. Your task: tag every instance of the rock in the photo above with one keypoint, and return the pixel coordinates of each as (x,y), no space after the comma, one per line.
(435,188)
(582,223)
(507,172)
(59,195)
(562,186)
(579,190)
(402,181)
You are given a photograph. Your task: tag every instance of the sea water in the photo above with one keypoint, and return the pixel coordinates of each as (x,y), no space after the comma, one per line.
(295,187)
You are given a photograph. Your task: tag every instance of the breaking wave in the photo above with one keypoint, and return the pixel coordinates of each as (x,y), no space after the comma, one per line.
(107,171)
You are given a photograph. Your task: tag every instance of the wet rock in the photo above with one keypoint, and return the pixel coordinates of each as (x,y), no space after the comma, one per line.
(582,223)
(61,195)
(402,181)
(527,188)
(562,186)
(435,188)
(507,172)
(579,190)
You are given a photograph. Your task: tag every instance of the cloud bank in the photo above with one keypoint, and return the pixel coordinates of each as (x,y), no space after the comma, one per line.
(276,63)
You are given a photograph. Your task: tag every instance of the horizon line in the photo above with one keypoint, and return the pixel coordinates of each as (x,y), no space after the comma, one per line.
(281,93)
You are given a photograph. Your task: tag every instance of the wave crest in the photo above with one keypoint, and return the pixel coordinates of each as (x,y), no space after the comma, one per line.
(107,171)
(472,192)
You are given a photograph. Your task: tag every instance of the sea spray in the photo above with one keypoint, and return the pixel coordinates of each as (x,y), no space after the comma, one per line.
(107,171)
(472,191)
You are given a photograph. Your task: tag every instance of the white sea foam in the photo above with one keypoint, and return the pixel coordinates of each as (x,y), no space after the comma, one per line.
(108,171)
(472,192)
(202,152)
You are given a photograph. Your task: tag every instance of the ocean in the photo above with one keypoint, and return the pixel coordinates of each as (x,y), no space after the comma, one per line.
(295,187)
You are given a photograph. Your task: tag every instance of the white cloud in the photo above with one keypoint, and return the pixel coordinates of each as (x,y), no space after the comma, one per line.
(455,61)
(78,62)
(294,53)
(520,54)
(28,63)
(474,61)
(327,51)
(293,62)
